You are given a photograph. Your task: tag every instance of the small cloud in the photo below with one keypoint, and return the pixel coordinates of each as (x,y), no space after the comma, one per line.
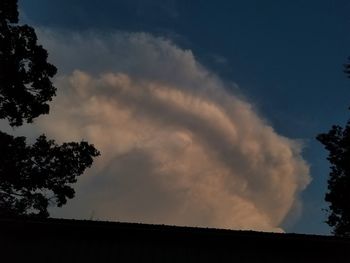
(219,60)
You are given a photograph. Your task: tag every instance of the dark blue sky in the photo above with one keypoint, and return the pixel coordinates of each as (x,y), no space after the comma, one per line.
(286,57)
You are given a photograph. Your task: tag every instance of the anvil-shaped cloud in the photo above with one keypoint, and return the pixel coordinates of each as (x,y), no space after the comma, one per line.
(178,147)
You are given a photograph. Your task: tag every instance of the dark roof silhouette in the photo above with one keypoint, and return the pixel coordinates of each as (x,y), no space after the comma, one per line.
(61,240)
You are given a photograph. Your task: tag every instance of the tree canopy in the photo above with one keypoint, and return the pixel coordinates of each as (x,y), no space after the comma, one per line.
(32,177)
(337,143)
(24,71)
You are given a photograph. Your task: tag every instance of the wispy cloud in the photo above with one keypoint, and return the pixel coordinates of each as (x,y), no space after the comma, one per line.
(177,147)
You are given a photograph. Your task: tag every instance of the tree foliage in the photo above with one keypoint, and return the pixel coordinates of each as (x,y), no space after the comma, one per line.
(32,177)
(337,143)
(31,173)
(24,71)
(347,68)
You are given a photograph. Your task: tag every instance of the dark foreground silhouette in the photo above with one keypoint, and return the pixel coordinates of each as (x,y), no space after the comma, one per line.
(57,240)
(35,176)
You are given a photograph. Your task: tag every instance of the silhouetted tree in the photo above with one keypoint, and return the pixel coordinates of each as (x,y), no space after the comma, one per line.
(337,143)
(347,68)
(32,177)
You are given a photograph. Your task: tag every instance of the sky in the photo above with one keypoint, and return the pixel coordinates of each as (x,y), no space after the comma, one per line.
(205,112)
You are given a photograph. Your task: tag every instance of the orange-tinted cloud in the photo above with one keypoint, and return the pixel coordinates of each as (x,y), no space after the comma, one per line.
(177,146)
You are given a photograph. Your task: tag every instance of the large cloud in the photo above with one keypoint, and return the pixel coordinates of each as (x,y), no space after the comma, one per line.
(177,146)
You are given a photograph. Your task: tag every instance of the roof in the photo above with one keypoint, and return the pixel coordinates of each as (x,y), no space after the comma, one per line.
(155,239)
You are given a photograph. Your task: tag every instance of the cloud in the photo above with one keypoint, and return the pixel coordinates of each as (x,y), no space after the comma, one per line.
(177,146)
